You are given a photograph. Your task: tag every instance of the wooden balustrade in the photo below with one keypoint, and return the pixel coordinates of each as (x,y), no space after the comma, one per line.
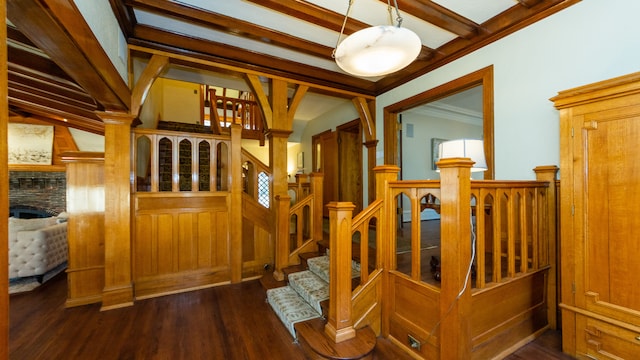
(174,161)
(255,178)
(225,111)
(300,188)
(511,226)
(298,219)
(510,230)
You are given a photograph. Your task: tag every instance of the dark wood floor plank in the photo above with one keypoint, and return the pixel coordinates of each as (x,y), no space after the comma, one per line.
(227,322)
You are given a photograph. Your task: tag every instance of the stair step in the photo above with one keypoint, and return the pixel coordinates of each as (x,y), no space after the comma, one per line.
(320,266)
(304,257)
(290,307)
(306,297)
(317,345)
(310,287)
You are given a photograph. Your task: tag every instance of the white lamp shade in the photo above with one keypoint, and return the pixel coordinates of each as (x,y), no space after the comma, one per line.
(465,148)
(378,50)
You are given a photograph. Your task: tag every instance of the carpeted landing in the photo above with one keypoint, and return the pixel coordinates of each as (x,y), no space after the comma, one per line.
(301,299)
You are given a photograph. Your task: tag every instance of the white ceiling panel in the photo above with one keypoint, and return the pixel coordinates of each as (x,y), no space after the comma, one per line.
(477,10)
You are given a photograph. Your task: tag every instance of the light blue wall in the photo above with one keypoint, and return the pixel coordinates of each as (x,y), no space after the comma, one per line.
(590,41)
(416,149)
(104,26)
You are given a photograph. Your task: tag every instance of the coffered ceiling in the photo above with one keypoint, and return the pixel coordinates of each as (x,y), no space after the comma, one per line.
(53,72)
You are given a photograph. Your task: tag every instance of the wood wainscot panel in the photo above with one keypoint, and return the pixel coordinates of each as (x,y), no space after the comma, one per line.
(85,228)
(152,202)
(85,271)
(257,250)
(181,243)
(414,312)
(258,245)
(366,305)
(507,313)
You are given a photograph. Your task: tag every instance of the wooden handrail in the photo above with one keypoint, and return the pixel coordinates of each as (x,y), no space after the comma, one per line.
(225,111)
(252,167)
(512,224)
(305,215)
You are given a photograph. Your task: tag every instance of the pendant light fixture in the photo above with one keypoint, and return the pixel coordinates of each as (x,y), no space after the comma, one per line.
(377,50)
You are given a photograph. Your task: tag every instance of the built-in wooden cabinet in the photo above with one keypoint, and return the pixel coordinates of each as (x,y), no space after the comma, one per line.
(600,218)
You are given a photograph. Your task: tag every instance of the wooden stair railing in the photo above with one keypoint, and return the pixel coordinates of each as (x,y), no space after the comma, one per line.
(300,188)
(521,241)
(300,223)
(225,111)
(255,178)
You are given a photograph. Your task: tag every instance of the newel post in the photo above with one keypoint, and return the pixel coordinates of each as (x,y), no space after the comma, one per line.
(281,215)
(300,180)
(455,242)
(315,188)
(383,175)
(549,173)
(339,325)
(386,230)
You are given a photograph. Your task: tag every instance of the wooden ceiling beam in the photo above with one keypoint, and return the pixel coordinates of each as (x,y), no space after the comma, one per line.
(27,59)
(33,100)
(439,16)
(232,26)
(529,3)
(58,28)
(21,83)
(311,13)
(510,21)
(332,20)
(124,15)
(38,80)
(243,59)
(26,107)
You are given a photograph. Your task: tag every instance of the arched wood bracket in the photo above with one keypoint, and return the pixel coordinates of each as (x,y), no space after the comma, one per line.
(155,67)
(366,110)
(277,109)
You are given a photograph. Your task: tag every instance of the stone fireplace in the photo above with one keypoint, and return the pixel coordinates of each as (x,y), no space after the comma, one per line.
(44,191)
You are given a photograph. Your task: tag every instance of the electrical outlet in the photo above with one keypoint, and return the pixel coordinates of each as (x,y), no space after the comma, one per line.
(414,343)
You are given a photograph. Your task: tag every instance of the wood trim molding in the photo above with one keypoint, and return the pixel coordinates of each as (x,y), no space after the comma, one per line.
(482,77)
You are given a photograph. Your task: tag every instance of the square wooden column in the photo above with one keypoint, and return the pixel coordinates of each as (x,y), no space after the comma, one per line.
(279,190)
(118,284)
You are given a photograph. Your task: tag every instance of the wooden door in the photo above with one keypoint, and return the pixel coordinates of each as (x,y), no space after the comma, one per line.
(609,193)
(325,160)
(338,155)
(350,164)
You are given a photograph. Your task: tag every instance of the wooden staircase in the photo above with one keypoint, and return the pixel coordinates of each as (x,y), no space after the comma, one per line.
(310,334)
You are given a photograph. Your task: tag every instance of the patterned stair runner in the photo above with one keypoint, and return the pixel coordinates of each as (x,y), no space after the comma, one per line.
(300,300)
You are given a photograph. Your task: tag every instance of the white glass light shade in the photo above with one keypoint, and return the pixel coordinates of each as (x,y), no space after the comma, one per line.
(378,50)
(465,148)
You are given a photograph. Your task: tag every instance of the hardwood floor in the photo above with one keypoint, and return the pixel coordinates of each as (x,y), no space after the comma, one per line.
(226,322)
